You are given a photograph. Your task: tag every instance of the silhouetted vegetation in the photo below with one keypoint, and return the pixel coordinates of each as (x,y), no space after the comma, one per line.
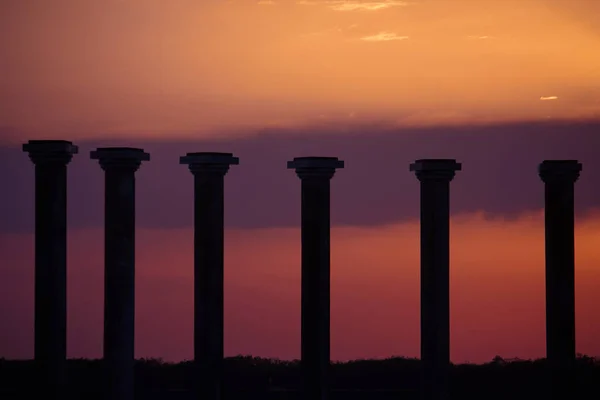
(258,378)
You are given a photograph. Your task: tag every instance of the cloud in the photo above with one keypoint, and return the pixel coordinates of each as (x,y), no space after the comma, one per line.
(354,5)
(364,5)
(484,37)
(266,2)
(549,98)
(383,37)
(376,155)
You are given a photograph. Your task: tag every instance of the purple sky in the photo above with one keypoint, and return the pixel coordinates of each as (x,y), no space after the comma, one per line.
(499,175)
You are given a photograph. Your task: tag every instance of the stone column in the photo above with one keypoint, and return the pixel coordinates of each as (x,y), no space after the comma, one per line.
(315,174)
(50,344)
(119,165)
(435,176)
(209,171)
(559,177)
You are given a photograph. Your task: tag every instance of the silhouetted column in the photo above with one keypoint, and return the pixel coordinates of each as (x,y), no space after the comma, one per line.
(50,158)
(315,174)
(435,177)
(559,177)
(119,165)
(209,171)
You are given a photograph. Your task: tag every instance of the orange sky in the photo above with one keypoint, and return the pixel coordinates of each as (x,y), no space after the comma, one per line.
(497,291)
(167,68)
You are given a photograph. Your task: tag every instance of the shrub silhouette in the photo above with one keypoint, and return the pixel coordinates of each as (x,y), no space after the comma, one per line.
(247,377)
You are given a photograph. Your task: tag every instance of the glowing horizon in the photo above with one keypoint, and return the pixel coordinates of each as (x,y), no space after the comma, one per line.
(374,281)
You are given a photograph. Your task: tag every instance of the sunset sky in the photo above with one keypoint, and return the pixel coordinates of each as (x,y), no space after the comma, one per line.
(498,85)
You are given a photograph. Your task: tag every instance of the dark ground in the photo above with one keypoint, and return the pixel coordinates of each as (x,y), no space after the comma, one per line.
(255,378)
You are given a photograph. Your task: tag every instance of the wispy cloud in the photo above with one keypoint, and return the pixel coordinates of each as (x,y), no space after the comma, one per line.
(364,5)
(549,98)
(356,5)
(266,2)
(383,37)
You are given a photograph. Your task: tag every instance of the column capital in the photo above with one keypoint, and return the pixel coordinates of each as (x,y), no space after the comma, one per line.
(563,171)
(209,162)
(119,158)
(43,152)
(315,167)
(435,169)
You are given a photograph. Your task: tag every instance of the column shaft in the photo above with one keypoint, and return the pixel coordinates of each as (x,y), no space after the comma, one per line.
(435,288)
(435,176)
(560,272)
(119,283)
(119,165)
(208,283)
(50,158)
(209,171)
(315,174)
(559,177)
(50,343)
(315,291)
